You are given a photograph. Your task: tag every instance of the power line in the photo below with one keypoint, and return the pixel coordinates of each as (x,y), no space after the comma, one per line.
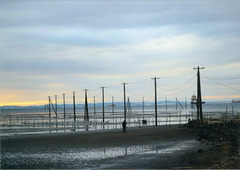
(232,78)
(221,83)
(141,82)
(182,90)
(179,86)
(140,94)
(236,60)
(115,94)
(179,74)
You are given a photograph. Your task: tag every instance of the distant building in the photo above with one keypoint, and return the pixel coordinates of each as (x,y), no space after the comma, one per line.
(193,101)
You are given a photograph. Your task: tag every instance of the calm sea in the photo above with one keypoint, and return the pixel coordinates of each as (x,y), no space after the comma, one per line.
(25,120)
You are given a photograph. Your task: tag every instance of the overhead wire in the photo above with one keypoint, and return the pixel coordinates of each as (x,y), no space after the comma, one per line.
(179,86)
(182,91)
(144,93)
(232,78)
(221,84)
(179,74)
(236,60)
(116,94)
(185,73)
(141,82)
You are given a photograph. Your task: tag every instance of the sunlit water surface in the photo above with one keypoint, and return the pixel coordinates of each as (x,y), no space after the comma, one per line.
(88,157)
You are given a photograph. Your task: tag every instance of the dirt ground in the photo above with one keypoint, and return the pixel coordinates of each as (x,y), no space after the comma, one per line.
(160,147)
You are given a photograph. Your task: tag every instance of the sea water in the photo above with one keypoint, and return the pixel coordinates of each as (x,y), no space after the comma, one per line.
(30,120)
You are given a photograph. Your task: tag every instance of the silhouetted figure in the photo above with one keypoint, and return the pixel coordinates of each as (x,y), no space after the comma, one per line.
(124,124)
(144,122)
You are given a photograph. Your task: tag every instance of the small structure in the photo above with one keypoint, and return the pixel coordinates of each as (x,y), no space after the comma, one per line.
(193,101)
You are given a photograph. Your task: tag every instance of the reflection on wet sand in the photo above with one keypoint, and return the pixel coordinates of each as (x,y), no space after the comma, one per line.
(82,157)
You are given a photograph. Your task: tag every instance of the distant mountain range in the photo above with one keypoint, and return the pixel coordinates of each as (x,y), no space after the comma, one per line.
(110,104)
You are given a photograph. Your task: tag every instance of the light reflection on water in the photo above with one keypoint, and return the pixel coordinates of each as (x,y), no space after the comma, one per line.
(88,157)
(36,120)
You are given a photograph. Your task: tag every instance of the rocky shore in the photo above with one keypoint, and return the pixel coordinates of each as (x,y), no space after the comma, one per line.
(225,136)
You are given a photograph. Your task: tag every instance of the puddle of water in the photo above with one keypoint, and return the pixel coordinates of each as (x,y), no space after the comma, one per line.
(87,158)
(178,147)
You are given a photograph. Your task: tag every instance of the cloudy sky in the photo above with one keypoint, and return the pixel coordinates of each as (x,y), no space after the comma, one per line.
(49,48)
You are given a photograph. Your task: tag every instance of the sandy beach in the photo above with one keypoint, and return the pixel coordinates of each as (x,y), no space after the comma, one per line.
(144,148)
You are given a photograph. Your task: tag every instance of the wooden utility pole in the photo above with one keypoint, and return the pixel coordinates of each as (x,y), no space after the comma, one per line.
(74,108)
(176,104)
(155,86)
(185,103)
(49,106)
(56,110)
(124,99)
(94,105)
(56,104)
(113,108)
(103,101)
(64,108)
(129,108)
(166,103)
(143,107)
(86,115)
(199,98)
(112,104)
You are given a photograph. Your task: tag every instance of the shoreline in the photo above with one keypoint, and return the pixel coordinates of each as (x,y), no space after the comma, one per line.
(115,135)
(144,129)
(185,150)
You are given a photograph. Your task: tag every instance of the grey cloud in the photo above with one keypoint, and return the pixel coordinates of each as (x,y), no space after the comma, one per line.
(121,14)
(105,23)
(50,66)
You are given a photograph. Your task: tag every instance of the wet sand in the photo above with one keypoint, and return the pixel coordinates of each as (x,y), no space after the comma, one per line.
(98,138)
(141,148)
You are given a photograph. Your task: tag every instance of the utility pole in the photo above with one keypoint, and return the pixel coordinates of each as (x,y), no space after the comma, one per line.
(103,101)
(199,97)
(64,108)
(74,108)
(124,99)
(94,105)
(56,104)
(56,110)
(166,104)
(129,108)
(49,106)
(143,107)
(176,104)
(185,103)
(86,115)
(155,85)
(113,108)
(49,109)
(112,104)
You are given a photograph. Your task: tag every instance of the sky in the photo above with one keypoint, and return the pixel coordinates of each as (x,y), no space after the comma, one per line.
(51,47)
